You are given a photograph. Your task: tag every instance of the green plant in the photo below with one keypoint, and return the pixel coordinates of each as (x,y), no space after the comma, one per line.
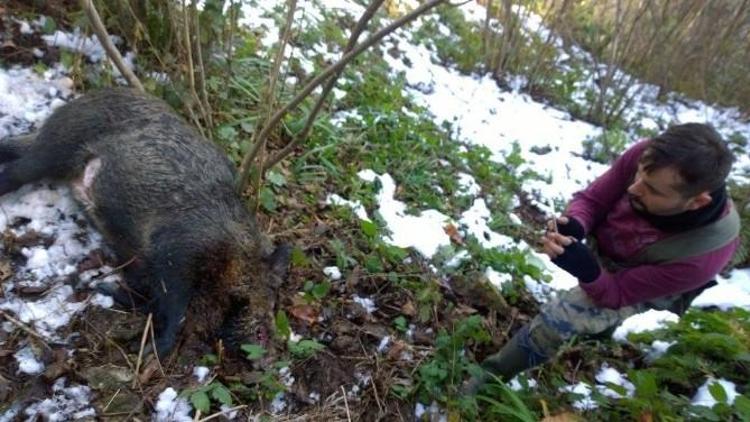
(315,292)
(401,324)
(456,41)
(202,397)
(741,257)
(304,349)
(439,377)
(607,146)
(253,351)
(503,403)
(428,297)
(715,344)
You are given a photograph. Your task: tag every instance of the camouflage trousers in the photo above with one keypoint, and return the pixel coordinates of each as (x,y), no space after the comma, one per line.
(572,313)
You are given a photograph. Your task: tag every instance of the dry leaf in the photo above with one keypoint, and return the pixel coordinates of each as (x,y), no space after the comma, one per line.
(306,313)
(6,271)
(453,233)
(394,352)
(409,309)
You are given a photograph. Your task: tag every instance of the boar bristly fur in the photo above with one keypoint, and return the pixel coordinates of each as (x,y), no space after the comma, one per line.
(163,197)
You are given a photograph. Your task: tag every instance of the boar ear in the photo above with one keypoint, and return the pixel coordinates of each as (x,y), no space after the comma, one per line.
(279,260)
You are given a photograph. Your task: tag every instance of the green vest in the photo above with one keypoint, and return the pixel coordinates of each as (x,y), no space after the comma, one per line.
(694,242)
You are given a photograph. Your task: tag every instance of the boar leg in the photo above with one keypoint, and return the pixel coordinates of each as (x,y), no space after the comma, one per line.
(171,286)
(34,164)
(13,148)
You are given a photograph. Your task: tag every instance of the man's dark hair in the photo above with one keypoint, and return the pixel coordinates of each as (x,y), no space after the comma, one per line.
(702,159)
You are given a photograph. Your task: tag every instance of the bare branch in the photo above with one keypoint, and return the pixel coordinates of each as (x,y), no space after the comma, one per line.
(259,143)
(322,76)
(112,53)
(302,136)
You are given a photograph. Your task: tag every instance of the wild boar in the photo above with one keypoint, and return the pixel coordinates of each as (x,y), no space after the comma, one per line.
(163,197)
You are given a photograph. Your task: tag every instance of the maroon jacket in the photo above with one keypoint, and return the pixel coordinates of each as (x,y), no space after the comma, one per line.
(603,209)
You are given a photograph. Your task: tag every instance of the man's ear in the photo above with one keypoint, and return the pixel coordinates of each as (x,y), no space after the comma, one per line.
(699,201)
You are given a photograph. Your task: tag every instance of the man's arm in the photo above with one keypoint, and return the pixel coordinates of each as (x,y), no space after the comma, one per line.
(646,282)
(591,205)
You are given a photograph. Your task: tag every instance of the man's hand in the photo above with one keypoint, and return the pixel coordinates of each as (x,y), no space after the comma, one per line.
(568,252)
(554,244)
(578,260)
(569,226)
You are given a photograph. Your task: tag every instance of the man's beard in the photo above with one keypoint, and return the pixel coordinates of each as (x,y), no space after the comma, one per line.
(638,205)
(642,209)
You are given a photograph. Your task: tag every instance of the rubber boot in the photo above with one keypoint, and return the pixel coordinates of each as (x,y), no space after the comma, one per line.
(514,357)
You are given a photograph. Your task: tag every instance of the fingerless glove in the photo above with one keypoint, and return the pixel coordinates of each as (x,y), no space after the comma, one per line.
(578,260)
(573,228)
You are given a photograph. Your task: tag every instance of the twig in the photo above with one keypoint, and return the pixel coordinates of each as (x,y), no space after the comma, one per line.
(140,352)
(101,32)
(190,68)
(259,142)
(202,75)
(156,353)
(113,343)
(25,328)
(242,177)
(223,412)
(111,400)
(346,404)
(377,398)
(358,29)
(114,270)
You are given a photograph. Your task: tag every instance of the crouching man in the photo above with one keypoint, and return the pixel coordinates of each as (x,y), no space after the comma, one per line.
(660,227)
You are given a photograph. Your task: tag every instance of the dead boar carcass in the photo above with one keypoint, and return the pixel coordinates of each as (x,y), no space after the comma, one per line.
(164,198)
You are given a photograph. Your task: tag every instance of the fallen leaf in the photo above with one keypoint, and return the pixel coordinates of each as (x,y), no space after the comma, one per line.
(95,259)
(453,233)
(32,290)
(6,271)
(409,309)
(306,313)
(394,352)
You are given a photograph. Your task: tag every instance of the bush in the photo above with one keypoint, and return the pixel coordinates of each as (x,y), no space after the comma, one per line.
(606,147)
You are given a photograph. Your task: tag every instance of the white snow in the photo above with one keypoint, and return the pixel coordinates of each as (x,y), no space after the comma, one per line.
(278,404)
(366,303)
(475,221)
(26,97)
(171,408)
(611,375)
(28,362)
(200,373)
(516,385)
(729,292)
(334,273)
(423,232)
(497,279)
(703,396)
(356,206)
(66,403)
(646,321)
(657,349)
(75,41)
(582,389)
(468,184)
(384,343)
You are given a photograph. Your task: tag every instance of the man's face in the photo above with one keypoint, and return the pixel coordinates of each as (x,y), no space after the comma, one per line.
(656,192)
